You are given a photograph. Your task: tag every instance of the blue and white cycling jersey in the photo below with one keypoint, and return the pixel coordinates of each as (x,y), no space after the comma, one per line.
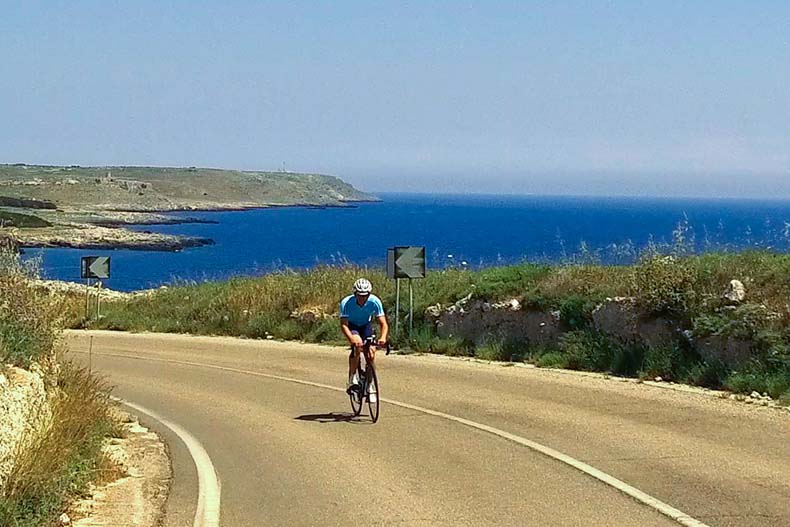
(361,315)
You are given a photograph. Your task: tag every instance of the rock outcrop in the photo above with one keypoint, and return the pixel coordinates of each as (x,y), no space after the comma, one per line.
(479,321)
(103,237)
(621,319)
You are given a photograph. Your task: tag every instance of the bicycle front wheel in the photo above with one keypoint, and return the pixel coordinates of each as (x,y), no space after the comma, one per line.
(373,395)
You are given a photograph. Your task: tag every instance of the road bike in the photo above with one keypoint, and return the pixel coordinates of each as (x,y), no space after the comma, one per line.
(368,383)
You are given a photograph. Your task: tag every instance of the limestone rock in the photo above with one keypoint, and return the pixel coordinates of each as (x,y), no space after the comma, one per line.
(24,409)
(506,320)
(735,292)
(623,319)
(434,311)
(309,315)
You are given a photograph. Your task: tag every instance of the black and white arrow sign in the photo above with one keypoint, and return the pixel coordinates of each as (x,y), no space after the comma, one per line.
(409,262)
(95,266)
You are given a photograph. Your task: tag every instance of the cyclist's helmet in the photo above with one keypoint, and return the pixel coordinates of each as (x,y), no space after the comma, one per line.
(362,287)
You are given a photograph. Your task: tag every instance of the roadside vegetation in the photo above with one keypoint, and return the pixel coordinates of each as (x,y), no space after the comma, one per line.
(672,284)
(57,460)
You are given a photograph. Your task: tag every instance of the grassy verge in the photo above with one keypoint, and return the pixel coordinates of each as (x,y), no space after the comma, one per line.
(686,289)
(54,464)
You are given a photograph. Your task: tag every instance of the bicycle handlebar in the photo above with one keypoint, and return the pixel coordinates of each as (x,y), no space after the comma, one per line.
(372,340)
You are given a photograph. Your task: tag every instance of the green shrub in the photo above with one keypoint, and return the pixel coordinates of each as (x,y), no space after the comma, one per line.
(745,382)
(552,360)
(499,350)
(326,330)
(576,312)
(745,322)
(627,360)
(708,324)
(262,324)
(777,383)
(288,330)
(451,346)
(29,318)
(424,340)
(710,374)
(498,282)
(661,361)
(664,285)
(585,350)
(774,382)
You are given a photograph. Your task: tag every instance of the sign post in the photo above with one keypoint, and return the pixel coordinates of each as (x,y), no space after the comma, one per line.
(409,263)
(94,267)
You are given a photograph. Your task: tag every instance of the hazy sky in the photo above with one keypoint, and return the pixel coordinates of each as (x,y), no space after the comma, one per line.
(628,97)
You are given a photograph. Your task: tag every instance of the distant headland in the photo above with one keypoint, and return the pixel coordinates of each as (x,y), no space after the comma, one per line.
(87,207)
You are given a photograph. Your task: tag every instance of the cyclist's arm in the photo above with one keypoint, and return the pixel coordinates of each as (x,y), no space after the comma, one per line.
(384,328)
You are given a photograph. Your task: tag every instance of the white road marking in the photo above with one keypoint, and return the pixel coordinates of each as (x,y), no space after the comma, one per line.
(207,513)
(654,503)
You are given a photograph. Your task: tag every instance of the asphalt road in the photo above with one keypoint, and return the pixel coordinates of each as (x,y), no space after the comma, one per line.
(290,454)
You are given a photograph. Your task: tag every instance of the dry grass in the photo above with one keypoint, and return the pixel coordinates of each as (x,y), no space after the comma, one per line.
(58,462)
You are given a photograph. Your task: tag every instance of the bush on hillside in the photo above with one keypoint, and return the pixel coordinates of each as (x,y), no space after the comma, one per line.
(665,285)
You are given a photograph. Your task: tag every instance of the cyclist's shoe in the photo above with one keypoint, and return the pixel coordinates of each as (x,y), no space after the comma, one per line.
(372,395)
(352,386)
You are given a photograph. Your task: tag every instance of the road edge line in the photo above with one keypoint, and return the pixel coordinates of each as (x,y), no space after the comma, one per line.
(209,489)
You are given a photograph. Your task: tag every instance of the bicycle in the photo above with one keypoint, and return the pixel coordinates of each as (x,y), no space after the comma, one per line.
(367,380)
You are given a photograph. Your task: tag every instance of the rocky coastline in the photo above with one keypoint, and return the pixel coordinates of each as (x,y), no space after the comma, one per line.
(97,237)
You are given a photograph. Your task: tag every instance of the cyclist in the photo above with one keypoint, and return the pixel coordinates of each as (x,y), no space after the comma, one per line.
(356,321)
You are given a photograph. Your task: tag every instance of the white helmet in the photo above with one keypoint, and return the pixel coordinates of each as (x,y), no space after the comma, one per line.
(362,287)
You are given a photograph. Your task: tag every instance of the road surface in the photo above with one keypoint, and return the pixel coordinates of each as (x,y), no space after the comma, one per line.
(288,453)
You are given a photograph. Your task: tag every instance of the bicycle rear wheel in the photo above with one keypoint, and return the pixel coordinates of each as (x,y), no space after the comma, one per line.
(373,387)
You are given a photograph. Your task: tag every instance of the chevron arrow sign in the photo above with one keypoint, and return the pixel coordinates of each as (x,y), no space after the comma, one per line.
(95,266)
(407,262)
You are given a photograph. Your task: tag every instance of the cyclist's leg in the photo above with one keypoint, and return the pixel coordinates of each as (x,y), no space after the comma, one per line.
(353,362)
(369,333)
(370,356)
(353,357)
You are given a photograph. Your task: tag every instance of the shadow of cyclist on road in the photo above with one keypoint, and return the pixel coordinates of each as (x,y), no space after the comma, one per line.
(331,417)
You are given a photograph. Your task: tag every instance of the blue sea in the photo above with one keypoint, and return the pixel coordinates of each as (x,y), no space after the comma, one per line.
(463,231)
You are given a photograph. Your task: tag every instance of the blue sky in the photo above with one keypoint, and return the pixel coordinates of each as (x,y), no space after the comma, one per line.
(629,97)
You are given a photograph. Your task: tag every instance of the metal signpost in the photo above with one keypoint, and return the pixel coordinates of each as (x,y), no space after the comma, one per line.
(94,267)
(409,263)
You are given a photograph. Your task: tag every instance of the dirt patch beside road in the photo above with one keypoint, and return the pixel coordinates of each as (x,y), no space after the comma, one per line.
(138,497)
